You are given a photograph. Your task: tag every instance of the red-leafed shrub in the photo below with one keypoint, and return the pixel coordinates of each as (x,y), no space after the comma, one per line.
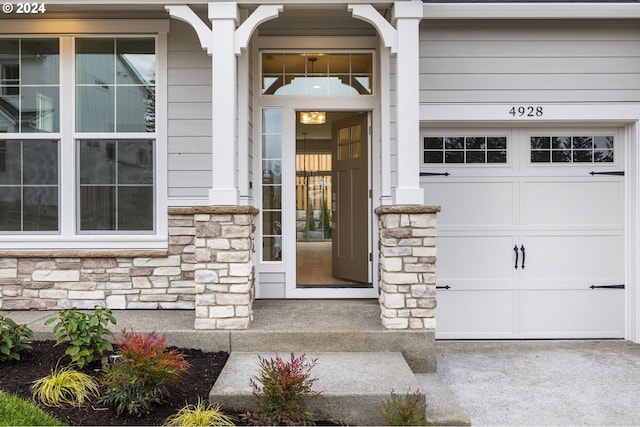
(283,389)
(143,365)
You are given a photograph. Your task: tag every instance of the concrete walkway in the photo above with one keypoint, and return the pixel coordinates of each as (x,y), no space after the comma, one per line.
(492,383)
(519,383)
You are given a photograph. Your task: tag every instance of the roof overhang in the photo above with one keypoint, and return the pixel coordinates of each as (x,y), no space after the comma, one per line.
(530,10)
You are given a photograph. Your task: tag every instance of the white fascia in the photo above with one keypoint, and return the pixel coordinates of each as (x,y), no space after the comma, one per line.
(550,10)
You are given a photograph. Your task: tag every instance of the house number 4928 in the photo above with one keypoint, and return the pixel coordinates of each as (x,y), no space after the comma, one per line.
(526,111)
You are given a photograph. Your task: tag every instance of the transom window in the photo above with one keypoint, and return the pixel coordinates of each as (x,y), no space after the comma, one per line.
(465,149)
(572,149)
(319,74)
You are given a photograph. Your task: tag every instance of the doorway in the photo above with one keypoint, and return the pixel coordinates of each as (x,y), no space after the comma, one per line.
(332,200)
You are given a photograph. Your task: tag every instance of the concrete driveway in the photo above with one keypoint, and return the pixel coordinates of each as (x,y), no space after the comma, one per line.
(544,382)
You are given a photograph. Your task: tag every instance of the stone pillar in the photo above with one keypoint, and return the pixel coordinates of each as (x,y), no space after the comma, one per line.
(224,270)
(407,266)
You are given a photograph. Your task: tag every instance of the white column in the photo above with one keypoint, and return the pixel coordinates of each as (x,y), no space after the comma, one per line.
(224,20)
(407,16)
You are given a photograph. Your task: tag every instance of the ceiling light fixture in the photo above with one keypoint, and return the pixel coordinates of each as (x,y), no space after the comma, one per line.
(313,117)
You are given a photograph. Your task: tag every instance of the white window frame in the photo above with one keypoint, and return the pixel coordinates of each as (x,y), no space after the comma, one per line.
(69,237)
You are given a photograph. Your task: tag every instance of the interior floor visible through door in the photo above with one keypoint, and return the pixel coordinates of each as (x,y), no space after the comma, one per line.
(314,266)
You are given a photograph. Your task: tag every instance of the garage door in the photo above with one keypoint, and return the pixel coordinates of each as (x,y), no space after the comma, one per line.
(531,232)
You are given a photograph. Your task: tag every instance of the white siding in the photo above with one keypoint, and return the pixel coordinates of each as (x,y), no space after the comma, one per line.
(529,61)
(189,111)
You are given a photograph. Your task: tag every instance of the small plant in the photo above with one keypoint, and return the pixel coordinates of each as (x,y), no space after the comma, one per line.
(65,386)
(283,389)
(144,365)
(200,414)
(406,410)
(13,339)
(84,334)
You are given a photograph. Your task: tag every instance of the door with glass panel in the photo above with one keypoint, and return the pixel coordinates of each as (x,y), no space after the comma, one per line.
(331,200)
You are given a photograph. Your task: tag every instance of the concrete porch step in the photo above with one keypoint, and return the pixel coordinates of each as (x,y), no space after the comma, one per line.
(353,386)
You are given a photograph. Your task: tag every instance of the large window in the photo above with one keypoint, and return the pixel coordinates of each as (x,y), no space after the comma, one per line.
(29,107)
(115,95)
(94,172)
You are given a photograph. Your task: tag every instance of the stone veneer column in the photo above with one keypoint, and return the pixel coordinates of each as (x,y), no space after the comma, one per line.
(224,270)
(407,266)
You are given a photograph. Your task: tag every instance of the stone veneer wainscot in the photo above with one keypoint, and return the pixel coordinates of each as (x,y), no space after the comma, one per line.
(208,266)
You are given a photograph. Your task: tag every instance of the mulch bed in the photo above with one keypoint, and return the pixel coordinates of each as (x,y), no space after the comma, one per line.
(17,377)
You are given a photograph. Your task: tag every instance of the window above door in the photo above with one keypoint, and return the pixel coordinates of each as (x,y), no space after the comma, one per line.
(317,73)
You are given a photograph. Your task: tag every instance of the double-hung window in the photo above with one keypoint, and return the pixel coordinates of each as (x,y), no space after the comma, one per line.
(29,135)
(78,140)
(115,108)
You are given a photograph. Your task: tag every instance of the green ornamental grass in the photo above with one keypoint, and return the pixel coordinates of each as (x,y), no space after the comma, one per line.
(18,412)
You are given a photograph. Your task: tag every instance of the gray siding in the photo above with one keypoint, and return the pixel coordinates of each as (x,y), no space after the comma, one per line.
(189,111)
(529,61)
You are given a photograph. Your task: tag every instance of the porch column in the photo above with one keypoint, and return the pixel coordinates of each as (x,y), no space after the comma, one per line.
(224,186)
(407,266)
(407,16)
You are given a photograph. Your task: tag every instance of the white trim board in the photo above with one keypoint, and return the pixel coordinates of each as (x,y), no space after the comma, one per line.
(550,10)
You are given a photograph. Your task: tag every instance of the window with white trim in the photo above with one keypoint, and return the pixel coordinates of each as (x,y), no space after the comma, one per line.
(108,134)
(115,95)
(29,108)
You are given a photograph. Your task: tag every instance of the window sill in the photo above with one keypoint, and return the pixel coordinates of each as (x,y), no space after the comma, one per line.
(83,246)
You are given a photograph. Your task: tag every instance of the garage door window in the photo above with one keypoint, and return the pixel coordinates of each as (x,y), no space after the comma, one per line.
(572,149)
(465,149)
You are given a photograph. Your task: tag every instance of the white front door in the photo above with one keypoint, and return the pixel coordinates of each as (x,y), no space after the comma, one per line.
(531,233)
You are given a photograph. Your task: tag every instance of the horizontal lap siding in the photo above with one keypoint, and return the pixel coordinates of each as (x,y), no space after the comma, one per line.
(529,61)
(189,111)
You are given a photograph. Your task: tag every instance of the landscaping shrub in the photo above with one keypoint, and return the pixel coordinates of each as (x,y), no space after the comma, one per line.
(85,334)
(283,389)
(18,412)
(13,339)
(135,381)
(406,410)
(65,386)
(200,414)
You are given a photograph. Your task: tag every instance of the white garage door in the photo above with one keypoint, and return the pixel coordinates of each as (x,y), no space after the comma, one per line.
(531,232)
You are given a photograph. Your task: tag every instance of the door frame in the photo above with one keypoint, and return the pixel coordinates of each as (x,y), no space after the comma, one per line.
(289,213)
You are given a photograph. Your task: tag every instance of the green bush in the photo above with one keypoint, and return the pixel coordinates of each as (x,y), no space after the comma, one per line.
(65,386)
(200,414)
(283,389)
(13,339)
(135,381)
(18,412)
(85,334)
(406,410)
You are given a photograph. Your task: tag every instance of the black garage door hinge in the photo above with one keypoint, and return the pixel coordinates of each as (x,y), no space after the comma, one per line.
(434,174)
(607,286)
(443,287)
(616,173)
